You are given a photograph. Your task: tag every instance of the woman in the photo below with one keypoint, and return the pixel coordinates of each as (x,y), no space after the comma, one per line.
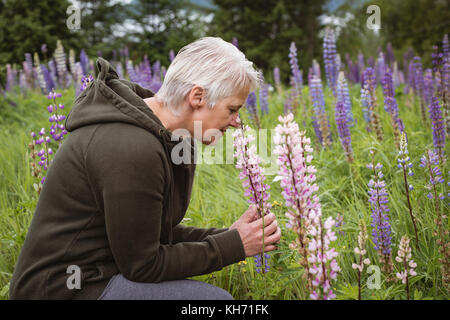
(107,223)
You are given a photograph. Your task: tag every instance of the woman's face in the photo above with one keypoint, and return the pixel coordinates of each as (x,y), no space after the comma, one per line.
(214,122)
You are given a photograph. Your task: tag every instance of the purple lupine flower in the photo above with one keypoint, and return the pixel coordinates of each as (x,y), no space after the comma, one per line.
(44,49)
(428,87)
(10,82)
(296,78)
(418,76)
(252,176)
(146,74)
(349,66)
(263,98)
(171,55)
(84,61)
(50,83)
(57,129)
(156,68)
(339,223)
(381,67)
(22,80)
(296,74)
(156,81)
(368,93)
(287,106)
(276,77)
(124,52)
(410,84)
(44,153)
(258,263)
(131,73)
(250,104)
(329,58)
(86,81)
(438,127)
(343,131)
(297,177)
(378,200)
(316,93)
(52,69)
(430,161)
(390,105)
(119,70)
(397,76)
(29,63)
(436,59)
(316,68)
(235,42)
(419,84)
(343,94)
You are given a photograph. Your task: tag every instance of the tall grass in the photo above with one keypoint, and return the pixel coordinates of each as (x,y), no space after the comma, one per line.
(217,200)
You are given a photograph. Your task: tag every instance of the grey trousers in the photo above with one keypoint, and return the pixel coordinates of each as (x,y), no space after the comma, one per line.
(120,288)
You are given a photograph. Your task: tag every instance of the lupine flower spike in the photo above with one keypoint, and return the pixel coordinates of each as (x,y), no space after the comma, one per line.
(369,98)
(297,178)
(430,162)
(343,130)
(321,121)
(390,105)
(253,178)
(251,108)
(438,127)
(404,163)
(408,265)
(360,250)
(43,155)
(381,229)
(85,82)
(297,79)
(57,129)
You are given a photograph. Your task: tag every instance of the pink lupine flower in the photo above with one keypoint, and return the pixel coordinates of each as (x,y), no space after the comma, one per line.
(408,265)
(297,178)
(361,251)
(253,178)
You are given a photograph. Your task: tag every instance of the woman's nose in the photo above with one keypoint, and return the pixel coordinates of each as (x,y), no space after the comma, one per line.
(235,121)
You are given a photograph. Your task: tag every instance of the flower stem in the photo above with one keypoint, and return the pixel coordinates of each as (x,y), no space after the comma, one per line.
(409,204)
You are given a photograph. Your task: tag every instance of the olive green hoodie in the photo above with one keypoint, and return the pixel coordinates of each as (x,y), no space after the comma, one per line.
(112,202)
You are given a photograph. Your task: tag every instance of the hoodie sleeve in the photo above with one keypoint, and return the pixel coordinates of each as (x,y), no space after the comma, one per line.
(125,167)
(182,233)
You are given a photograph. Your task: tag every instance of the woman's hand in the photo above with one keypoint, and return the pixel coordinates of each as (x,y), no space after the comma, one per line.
(250,228)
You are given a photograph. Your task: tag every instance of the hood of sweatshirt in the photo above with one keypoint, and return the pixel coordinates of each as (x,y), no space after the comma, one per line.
(110,99)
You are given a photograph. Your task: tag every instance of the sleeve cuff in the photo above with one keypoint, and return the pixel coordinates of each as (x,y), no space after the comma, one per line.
(230,246)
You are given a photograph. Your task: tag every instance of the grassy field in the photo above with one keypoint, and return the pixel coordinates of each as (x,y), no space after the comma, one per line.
(217,200)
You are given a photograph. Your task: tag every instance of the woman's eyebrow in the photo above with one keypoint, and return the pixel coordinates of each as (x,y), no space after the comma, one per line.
(236,106)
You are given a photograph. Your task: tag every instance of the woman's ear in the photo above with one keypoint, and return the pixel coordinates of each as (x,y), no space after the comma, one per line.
(196,97)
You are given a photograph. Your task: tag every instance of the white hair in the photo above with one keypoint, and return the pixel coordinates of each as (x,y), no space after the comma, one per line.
(211,63)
